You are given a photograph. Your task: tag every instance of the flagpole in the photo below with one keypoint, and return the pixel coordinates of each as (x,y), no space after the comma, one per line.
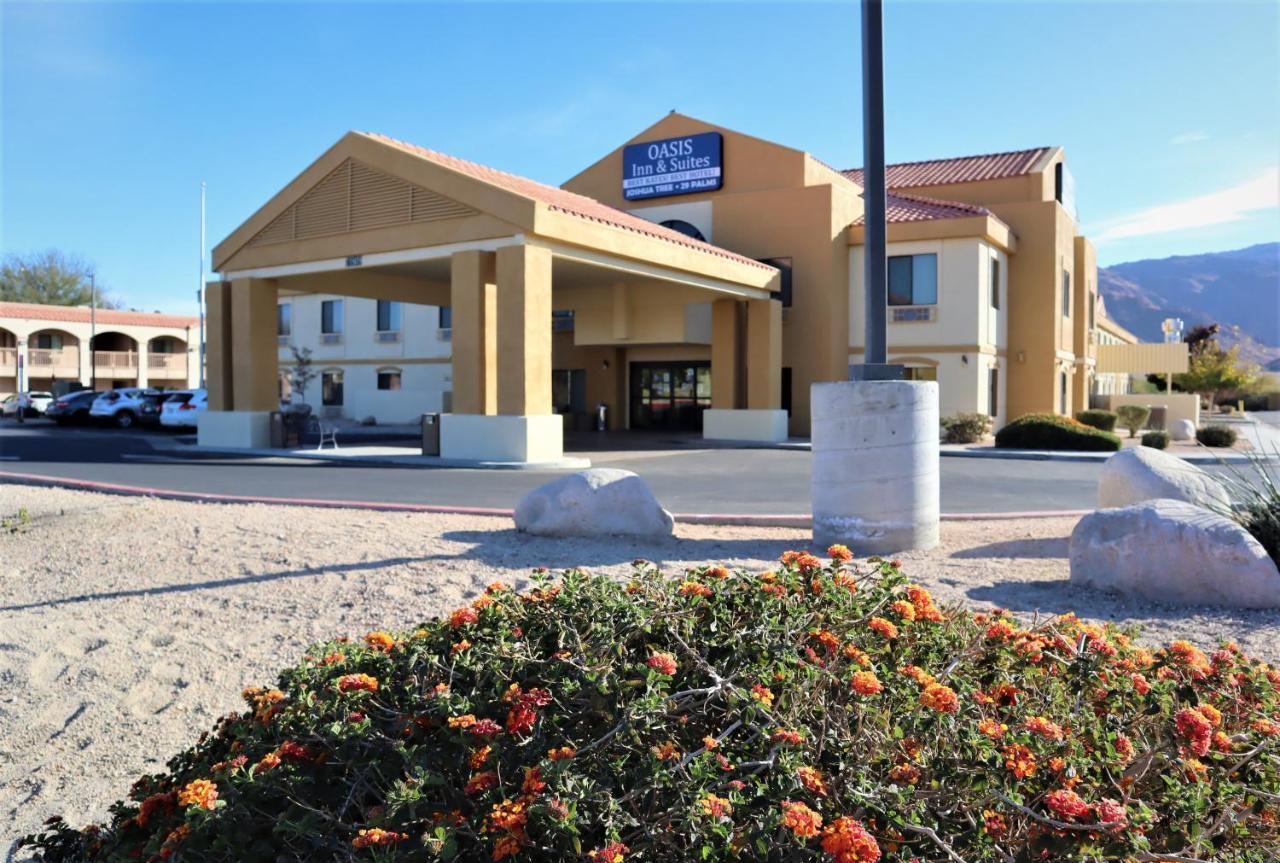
(200,285)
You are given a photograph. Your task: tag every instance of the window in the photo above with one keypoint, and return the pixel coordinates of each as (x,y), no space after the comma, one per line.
(920,373)
(684,227)
(1066,294)
(1062,393)
(569,391)
(913,280)
(331,388)
(993,391)
(48,341)
(784,284)
(1093,309)
(388,379)
(995,283)
(331,317)
(562,321)
(388,316)
(284,319)
(446,318)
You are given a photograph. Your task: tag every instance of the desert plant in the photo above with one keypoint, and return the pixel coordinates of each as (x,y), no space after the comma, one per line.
(1216,435)
(965,427)
(1255,496)
(821,711)
(1156,439)
(1050,431)
(1099,419)
(301,375)
(1133,418)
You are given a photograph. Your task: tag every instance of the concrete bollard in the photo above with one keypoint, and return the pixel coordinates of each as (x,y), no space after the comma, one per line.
(875,465)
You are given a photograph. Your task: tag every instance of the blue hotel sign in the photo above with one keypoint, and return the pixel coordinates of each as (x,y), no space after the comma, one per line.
(673,166)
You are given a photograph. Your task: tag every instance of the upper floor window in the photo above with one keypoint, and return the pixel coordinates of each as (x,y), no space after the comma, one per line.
(388,316)
(446,318)
(331,317)
(1066,294)
(1093,310)
(686,228)
(284,319)
(913,280)
(784,283)
(995,283)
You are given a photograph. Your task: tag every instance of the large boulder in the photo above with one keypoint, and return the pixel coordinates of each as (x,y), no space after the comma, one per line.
(1182,430)
(1175,552)
(595,502)
(1145,473)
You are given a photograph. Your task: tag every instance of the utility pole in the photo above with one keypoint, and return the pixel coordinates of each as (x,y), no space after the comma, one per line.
(93,331)
(200,287)
(874,274)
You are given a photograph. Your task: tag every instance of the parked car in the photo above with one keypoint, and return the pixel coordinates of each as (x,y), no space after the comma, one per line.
(150,405)
(31,404)
(183,408)
(120,406)
(72,407)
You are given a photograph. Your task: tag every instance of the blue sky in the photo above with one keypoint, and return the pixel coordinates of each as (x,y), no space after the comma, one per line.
(113,113)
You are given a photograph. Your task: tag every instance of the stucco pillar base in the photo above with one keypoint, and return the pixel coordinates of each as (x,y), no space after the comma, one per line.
(875,480)
(768,426)
(502,438)
(234,429)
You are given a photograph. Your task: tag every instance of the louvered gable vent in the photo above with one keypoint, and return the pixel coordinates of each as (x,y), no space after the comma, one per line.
(355,197)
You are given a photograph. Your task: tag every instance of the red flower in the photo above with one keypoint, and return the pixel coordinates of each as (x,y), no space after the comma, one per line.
(1066,803)
(800,819)
(848,841)
(663,663)
(1111,812)
(463,617)
(1195,728)
(940,698)
(357,683)
(521,718)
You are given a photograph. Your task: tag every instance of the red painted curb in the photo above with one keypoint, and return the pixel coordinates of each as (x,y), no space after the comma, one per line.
(728,519)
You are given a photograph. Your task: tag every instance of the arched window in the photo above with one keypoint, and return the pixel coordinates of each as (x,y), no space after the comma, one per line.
(684,227)
(389,379)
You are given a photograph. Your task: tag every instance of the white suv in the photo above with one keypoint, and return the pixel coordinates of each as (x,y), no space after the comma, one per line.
(183,409)
(121,406)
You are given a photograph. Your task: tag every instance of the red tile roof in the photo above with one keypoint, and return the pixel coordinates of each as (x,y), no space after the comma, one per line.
(965,169)
(565,201)
(913,208)
(81,315)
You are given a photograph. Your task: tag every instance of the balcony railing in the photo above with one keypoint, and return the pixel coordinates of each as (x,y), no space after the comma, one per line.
(167,365)
(50,361)
(8,360)
(111,361)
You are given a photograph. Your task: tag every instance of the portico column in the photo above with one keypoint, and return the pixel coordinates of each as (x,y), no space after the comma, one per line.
(764,354)
(473,296)
(746,372)
(243,364)
(725,355)
(144,364)
(524,331)
(217,322)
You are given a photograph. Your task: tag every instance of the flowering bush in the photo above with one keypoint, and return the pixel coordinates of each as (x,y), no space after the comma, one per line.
(822,711)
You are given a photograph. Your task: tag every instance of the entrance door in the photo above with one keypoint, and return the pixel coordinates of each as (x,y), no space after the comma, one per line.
(670,396)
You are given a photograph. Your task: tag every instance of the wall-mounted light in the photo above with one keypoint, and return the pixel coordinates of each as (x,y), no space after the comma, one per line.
(964,358)
(1022,356)
(604,364)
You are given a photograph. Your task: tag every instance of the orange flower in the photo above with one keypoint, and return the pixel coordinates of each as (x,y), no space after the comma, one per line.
(463,617)
(991,728)
(904,609)
(1066,803)
(762,695)
(800,819)
(905,774)
(791,738)
(884,627)
(200,792)
(840,553)
(377,836)
(866,683)
(564,753)
(919,675)
(812,779)
(268,761)
(857,656)
(480,783)
(614,852)
(715,807)
(1195,728)
(460,647)
(923,602)
(1019,761)
(477,758)
(663,663)
(1044,727)
(466,720)
(848,841)
(665,751)
(357,683)
(940,698)
(694,588)
(380,641)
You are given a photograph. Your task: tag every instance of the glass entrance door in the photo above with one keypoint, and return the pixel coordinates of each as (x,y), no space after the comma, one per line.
(670,395)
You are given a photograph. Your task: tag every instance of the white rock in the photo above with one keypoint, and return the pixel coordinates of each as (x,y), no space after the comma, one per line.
(1144,473)
(595,502)
(1182,430)
(1172,551)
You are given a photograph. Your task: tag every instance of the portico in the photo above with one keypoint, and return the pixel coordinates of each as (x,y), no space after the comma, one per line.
(378,218)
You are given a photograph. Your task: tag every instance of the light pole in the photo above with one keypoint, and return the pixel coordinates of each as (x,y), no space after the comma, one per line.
(93,331)
(200,286)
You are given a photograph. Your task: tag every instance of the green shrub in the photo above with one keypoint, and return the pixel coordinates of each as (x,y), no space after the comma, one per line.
(1050,431)
(965,428)
(818,712)
(1156,439)
(1216,435)
(1099,419)
(1133,417)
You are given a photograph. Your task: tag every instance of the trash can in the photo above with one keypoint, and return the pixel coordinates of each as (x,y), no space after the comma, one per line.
(275,430)
(1159,418)
(431,434)
(602,417)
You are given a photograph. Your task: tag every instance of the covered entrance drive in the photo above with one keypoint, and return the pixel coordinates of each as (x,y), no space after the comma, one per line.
(378,218)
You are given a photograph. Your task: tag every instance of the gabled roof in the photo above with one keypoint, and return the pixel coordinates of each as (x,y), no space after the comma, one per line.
(914,208)
(563,201)
(964,169)
(81,315)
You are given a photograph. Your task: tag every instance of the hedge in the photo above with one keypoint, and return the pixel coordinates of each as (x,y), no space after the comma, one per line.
(1216,435)
(1099,419)
(820,711)
(1050,431)
(1156,439)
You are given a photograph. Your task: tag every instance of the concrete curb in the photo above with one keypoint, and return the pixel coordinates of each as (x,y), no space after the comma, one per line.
(421,462)
(1060,455)
(723,519)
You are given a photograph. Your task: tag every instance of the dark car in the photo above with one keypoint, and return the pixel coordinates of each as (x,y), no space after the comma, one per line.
(149,406)
(72,407)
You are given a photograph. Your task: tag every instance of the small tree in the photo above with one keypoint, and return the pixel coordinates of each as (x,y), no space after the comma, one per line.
(302,374)
(1133,417)
(49,278)
(1218,373)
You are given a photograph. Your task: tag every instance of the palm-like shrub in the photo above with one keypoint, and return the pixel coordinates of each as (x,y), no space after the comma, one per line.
(817,712)
(1133,417)
(1050,431)
(1099,419)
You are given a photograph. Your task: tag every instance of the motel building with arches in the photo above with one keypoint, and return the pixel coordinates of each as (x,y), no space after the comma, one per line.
(707,298)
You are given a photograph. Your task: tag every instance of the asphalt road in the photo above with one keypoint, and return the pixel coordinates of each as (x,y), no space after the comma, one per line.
(752,481)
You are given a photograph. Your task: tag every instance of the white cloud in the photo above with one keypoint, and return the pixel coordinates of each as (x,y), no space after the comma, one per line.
(1216,208)
(1189,138)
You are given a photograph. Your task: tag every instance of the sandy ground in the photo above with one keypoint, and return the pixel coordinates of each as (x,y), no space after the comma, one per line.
(128,625)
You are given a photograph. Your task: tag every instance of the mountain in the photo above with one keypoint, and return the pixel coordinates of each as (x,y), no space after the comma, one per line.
(1239,289)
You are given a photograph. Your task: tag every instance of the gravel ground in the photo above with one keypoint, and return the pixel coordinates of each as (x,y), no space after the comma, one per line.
(128,625)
